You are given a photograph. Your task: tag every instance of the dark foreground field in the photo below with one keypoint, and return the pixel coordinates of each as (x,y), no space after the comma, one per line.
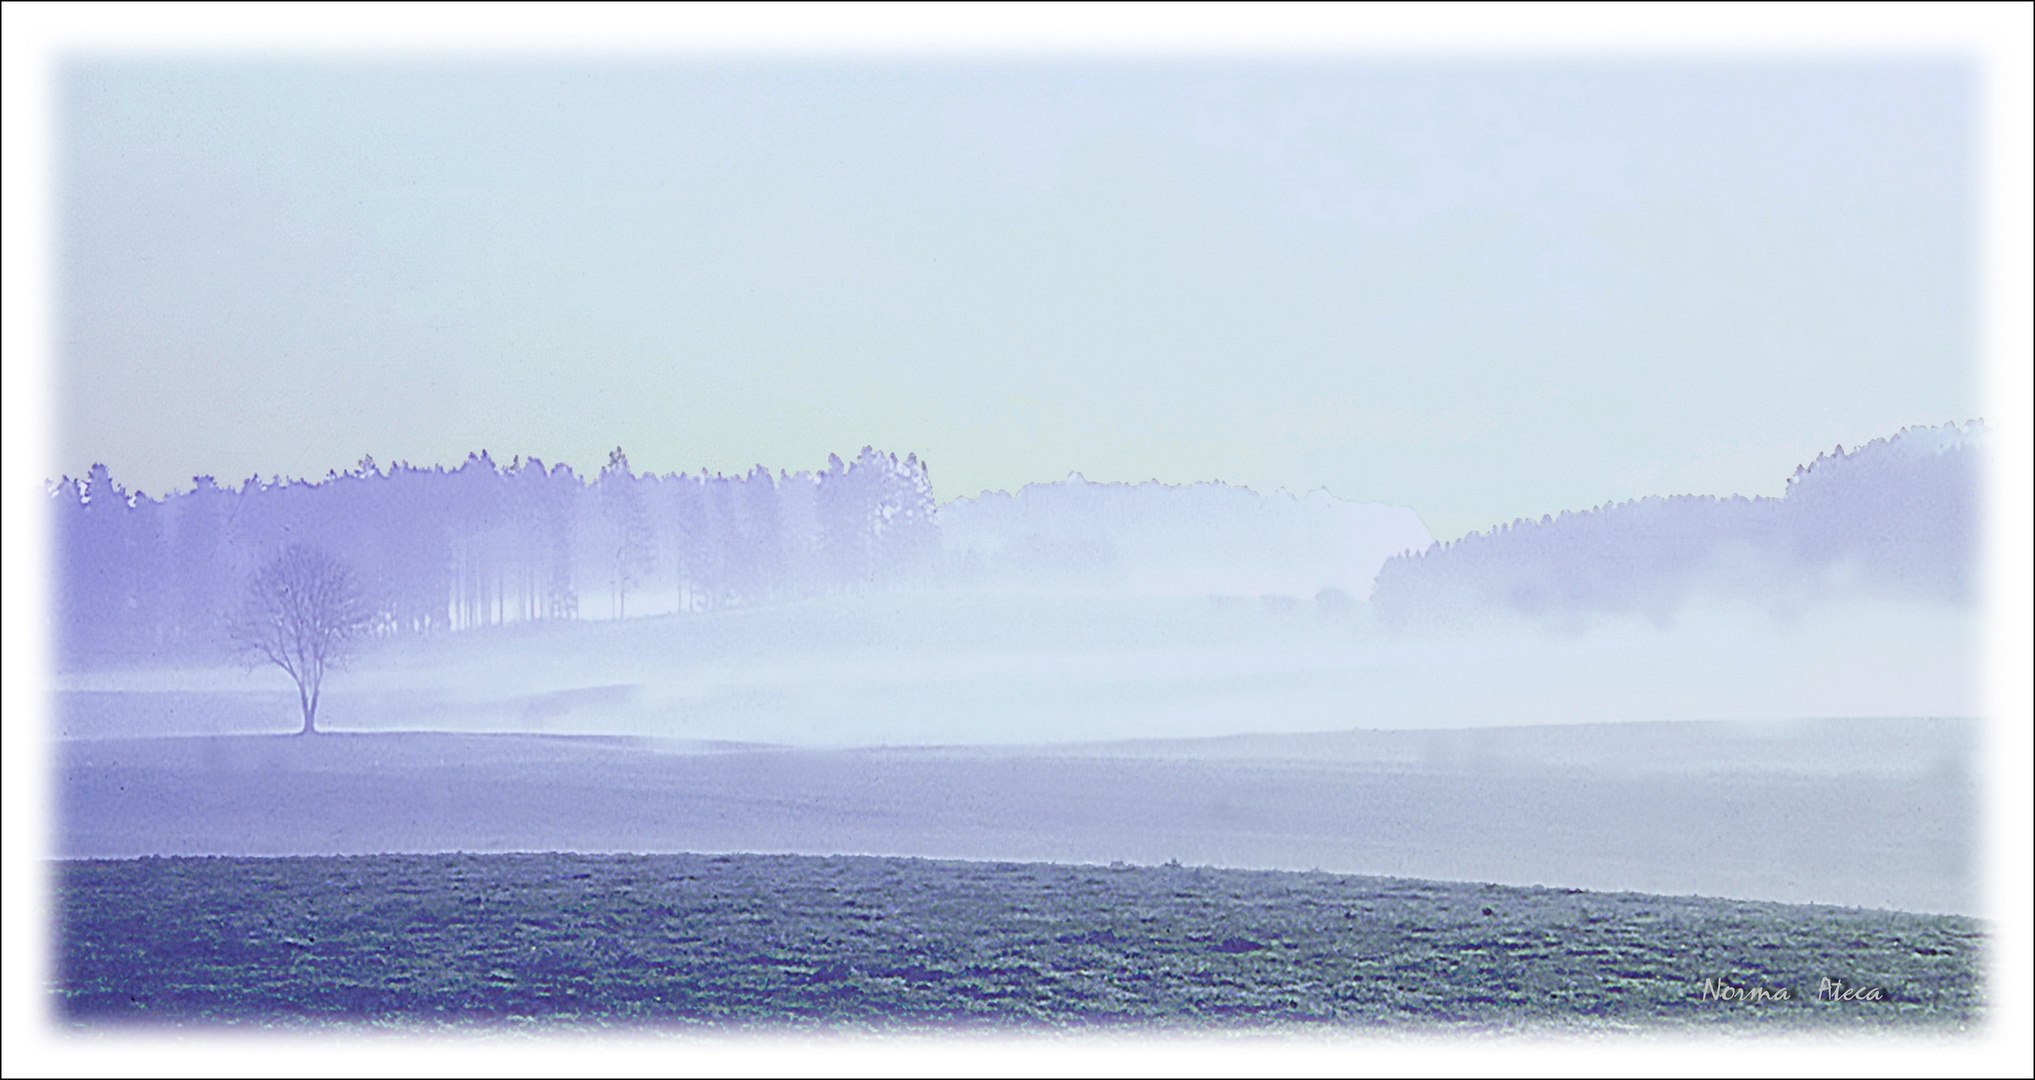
(860,942)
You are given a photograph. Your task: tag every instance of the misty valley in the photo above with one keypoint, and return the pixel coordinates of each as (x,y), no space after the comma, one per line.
(502,743)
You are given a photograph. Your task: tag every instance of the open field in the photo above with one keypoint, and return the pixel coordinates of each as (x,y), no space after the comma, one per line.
(1861,813)
(774,940)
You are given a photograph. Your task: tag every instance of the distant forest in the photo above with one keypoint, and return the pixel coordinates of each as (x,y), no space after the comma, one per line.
(1896,518)
(438,549)
(446,549)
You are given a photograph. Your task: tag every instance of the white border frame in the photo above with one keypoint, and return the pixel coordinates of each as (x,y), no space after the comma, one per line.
(35,35)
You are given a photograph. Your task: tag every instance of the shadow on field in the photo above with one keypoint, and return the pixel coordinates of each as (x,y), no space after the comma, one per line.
(1860,813)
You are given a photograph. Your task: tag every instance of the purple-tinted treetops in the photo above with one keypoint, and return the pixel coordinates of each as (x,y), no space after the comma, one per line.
(143,579)
(1897,518)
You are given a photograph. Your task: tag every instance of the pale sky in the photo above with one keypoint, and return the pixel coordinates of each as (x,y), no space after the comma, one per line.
(1478,288)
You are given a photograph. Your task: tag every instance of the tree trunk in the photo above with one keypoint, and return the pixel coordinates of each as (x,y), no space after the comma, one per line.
(310,705)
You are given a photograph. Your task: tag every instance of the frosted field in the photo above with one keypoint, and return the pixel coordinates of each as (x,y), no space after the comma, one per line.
(860,943)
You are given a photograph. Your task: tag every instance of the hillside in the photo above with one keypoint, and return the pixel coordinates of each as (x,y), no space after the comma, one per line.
(1898,518)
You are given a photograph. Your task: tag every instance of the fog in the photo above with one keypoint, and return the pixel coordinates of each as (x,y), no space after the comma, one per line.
(1761,698)
(954,667)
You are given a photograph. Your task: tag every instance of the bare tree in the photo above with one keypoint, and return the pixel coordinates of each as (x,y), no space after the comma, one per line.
(303,612)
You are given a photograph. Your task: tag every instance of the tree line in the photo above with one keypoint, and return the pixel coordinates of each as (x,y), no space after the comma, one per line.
(1897,518)
(141,578)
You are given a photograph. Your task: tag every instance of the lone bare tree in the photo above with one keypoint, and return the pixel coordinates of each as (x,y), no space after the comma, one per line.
(303,612)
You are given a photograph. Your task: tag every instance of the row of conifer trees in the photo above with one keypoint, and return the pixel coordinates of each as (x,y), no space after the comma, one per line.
(145,578)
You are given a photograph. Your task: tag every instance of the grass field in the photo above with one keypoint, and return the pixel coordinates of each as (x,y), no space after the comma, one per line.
(776,940)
